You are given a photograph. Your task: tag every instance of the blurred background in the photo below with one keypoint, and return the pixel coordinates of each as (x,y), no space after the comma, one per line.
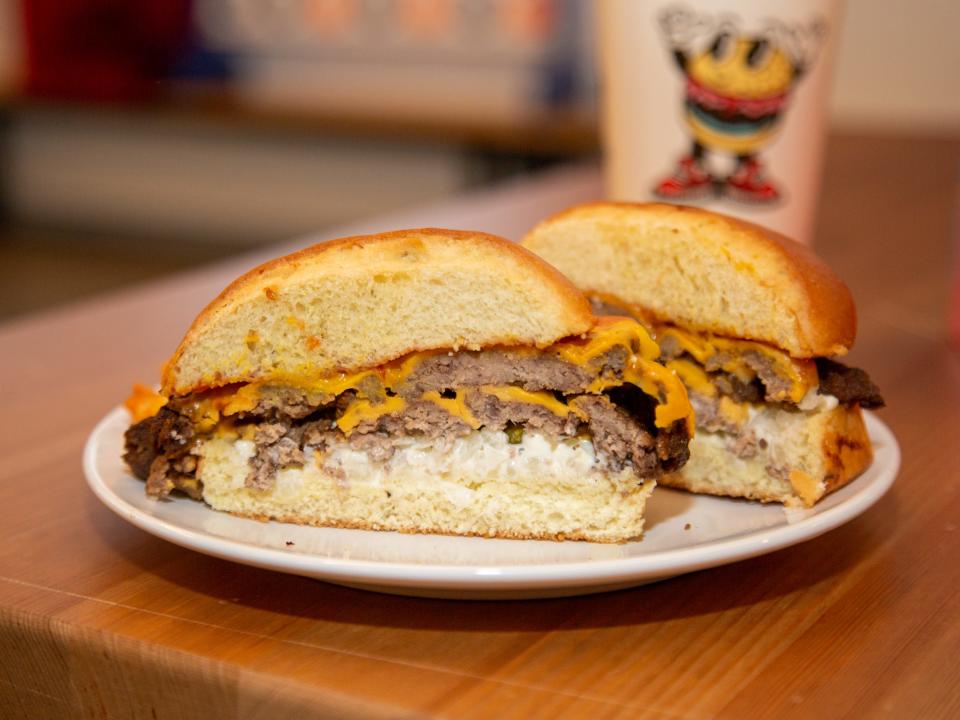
(138,137)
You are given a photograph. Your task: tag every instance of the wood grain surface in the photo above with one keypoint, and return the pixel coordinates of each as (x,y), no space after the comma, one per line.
(99,619)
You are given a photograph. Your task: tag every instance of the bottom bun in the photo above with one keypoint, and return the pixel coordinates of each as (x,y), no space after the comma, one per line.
(476,485)
(781,455)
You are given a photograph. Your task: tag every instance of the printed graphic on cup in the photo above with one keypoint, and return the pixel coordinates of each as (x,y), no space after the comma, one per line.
(737,87)
(719,104)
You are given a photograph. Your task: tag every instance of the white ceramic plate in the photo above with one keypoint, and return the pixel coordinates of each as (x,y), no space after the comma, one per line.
(684,532)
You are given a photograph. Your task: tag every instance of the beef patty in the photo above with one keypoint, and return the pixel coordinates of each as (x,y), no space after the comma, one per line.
(286,421)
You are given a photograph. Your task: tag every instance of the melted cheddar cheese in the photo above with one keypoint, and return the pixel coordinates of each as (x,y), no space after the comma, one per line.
(394,374)
(361,410)
(546,400)
(608,333)
(333,384)
(736,413)
(641,369)
(800,374)
(143,402)
(456,406)
(693,376)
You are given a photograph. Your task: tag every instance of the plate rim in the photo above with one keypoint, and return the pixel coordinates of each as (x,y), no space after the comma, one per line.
(583,573)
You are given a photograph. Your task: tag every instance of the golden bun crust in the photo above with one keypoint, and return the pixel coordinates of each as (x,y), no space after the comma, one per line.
(361,301)
(702,270)
(845,447)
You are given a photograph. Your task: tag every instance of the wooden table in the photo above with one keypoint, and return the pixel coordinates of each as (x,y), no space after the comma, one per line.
(99,619)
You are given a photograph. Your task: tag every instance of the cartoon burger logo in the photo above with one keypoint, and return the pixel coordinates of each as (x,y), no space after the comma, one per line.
(737,90)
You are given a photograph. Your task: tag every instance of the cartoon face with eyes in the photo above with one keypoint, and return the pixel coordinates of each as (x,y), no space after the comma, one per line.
(737,86)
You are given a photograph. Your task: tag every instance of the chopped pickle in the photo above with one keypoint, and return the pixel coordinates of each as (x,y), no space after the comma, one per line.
(514,434)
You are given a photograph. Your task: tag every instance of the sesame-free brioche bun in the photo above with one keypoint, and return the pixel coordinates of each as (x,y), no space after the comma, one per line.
(702,270)
(362,301)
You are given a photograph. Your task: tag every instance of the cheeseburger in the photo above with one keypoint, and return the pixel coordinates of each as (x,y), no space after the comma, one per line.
(750,321)
(421,381)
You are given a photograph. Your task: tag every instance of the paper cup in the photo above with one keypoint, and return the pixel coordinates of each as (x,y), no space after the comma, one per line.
(719,104)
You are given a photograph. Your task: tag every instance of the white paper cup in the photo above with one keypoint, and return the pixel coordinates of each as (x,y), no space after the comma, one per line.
(720,104)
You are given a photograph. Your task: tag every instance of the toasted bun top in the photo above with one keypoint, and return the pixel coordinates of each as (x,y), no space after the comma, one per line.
(702,270)
(362,301)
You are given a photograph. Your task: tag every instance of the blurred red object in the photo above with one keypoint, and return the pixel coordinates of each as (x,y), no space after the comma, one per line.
(108,50)
(529,20)
(427,18)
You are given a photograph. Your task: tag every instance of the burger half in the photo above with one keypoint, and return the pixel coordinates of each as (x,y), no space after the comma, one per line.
(420,381)
(750,321)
